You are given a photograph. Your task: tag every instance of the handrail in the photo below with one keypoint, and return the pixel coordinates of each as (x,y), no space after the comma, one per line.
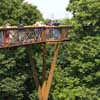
(32,27)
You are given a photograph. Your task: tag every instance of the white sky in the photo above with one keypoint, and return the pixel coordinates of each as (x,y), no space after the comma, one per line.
(52,9)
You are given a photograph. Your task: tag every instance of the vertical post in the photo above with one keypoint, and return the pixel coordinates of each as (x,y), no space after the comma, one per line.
(44,62)
(64,34)
(44,35)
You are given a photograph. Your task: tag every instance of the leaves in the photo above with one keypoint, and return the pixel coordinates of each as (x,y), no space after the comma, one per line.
(78,77)
(17,11)
(86,16)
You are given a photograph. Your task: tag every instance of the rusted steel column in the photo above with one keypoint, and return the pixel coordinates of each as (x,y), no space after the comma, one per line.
(44,62)
(64,33)
(43,92)
(52,68)
(43,35)
(33,65)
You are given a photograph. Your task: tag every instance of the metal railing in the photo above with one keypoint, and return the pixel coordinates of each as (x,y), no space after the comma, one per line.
(14,36)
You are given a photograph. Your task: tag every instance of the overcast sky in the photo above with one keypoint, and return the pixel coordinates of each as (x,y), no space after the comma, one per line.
(52,9)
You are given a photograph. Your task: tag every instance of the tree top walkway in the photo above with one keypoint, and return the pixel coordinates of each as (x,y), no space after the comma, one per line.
(24,35)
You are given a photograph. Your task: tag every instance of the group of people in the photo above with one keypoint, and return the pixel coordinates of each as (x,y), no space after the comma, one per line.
(9,37)
(51,33)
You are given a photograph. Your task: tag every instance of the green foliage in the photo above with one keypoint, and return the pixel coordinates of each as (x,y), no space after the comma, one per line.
(86,16)
(12,72)
(18,11)
(66,21)
(31,14)
(79,60)
(47,21)
(78,77)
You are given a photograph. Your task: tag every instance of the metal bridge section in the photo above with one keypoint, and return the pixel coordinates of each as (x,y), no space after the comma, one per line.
(14,36)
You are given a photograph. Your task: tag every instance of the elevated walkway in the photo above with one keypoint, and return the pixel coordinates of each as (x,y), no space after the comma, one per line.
(20,36)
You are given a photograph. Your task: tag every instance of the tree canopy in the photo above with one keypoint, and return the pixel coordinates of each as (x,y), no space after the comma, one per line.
(87,16)
(77,76)
(79,61)
(18,11)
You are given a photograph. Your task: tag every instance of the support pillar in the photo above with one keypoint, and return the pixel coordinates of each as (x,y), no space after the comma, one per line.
(43,92)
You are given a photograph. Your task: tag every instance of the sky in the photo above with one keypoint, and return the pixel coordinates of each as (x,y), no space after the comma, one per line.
(52,9)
